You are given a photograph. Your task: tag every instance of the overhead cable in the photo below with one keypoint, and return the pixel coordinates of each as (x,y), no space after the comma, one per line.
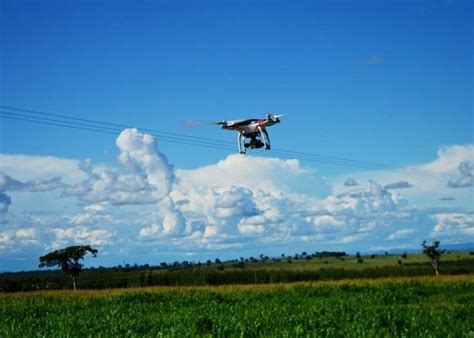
(61,120)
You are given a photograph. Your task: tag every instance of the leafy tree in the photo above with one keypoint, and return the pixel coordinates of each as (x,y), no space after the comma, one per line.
(68,260)
(433,252)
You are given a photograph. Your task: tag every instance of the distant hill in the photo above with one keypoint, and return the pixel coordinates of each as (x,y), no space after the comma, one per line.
(448,247)
(458,247)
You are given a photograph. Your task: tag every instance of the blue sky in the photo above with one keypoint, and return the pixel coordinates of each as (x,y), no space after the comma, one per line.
(387,82)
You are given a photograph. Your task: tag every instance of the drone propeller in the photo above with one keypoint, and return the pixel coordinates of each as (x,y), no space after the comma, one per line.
(220,123)
(274,117)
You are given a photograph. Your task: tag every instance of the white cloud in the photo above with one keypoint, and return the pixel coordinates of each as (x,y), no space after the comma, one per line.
(448,159)
(244,202)
(26,233)
(400,234)
(466,169)
(81,235)
(429,180)
(8,183)
(139,152)
(95,207)
(351,238)
(252,225)
(90,218)
(30,167)
(453,224)
(18,239)
(149,232)
(144,177)
(327,223)
(268,174)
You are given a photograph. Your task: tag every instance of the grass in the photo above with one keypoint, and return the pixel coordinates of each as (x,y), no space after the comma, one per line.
(350,262)
(248,272)
(426,306)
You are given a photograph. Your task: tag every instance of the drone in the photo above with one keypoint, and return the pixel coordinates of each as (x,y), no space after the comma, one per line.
(254,131)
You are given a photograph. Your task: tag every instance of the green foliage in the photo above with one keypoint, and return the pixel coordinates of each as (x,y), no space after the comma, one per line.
(68,259)
(327,268)
(433,252)
(414,308)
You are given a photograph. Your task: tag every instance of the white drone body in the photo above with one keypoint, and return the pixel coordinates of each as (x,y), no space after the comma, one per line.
(253,130)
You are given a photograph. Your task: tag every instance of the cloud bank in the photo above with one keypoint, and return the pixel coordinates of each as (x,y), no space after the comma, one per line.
(144,206)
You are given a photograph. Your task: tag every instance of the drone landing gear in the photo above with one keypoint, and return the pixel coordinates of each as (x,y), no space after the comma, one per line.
(256,140)
(266,138)
(240,143)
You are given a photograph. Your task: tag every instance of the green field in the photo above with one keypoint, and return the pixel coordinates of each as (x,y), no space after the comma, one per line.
(243,271)
(350,262)
(426,306)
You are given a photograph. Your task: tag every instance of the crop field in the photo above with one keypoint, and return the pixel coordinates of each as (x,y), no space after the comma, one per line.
(248,271)
(426,306)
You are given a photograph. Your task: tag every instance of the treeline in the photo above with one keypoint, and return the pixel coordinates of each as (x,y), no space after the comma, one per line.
(216,275)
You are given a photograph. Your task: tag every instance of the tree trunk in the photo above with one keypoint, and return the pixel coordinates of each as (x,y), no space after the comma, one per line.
(73,282)
(435,266)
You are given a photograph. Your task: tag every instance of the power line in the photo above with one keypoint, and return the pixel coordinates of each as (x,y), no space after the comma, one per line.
(286,154)
(218,142)
(58,123)
(61,120)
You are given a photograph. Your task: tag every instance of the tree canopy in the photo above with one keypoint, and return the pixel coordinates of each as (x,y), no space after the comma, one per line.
(68,260)
(433,252)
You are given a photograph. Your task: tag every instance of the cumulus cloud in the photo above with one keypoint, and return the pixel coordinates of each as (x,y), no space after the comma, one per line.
(245,202)
(140,152)
(145,176)
(350,182)
(327,223)
(81,235)
(367,210)
(399,185)
(466,169)
(429,180)
(453,224)
(14,239)
(448,159)
(270,174)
